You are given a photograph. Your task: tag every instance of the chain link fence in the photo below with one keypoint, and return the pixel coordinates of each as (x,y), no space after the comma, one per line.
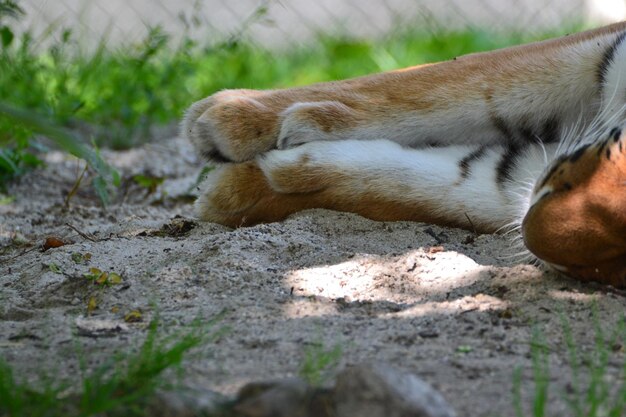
(281,23)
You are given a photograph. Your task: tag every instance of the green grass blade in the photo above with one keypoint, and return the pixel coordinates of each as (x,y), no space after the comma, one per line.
(68,142)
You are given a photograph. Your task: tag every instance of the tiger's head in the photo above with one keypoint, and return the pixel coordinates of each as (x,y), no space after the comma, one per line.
(577,217)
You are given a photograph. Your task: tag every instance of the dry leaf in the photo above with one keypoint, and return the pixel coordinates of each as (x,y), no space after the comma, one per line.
(102,279)
(80,258)
(114,278)
(92,304)
(52,242)
(435,249)
(133,317)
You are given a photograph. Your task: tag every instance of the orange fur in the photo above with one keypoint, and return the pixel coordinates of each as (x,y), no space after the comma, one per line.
(242,196)
(581,225)
(250,120)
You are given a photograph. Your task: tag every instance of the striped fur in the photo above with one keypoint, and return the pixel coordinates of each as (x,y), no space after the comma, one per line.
(529,136)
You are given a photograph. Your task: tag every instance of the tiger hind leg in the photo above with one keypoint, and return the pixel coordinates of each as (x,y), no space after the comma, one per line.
(379,180)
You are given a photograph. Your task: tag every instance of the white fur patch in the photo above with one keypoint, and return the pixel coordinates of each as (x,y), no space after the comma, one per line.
(403,174)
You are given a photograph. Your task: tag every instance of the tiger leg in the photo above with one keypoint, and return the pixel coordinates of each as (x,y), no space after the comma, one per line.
(508,96)
(376,179)
(237,125)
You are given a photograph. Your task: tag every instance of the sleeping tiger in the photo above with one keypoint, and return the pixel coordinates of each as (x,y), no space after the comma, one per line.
(530,137)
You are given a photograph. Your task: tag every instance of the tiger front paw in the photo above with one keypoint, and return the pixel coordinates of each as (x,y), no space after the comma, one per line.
(304,122)
(237,125)
(232,125)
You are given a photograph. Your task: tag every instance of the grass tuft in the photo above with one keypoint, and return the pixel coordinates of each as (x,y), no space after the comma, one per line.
(121,387)
(591,391)
(319,361)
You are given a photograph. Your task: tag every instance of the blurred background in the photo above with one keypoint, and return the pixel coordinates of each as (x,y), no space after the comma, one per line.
(283,23)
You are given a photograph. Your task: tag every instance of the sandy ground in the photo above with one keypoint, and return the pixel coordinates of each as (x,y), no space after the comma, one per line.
(443,303)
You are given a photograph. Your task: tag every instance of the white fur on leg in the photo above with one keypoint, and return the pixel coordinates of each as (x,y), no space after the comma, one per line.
(430,176)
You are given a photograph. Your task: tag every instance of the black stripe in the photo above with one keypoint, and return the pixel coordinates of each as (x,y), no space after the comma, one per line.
(607,59)
(556,165)
(503,170)
(214,155)
(616,133)
(604,143)
(547,132)
(464,164)
(433,143)
(527,134)
(579,152)
(511,152)
(501,125)
(550,131)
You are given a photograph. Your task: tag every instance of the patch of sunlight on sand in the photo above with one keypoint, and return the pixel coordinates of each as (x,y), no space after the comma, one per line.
(415,279)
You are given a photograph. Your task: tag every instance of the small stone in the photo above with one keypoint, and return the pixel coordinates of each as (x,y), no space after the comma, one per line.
(285,398)
(99,328)
(428,334)
(185,402)
(381,391)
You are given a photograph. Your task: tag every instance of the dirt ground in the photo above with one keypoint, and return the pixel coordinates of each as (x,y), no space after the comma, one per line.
(457,309)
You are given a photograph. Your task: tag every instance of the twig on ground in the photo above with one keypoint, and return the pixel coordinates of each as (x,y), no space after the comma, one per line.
(83,234)
(24,252)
